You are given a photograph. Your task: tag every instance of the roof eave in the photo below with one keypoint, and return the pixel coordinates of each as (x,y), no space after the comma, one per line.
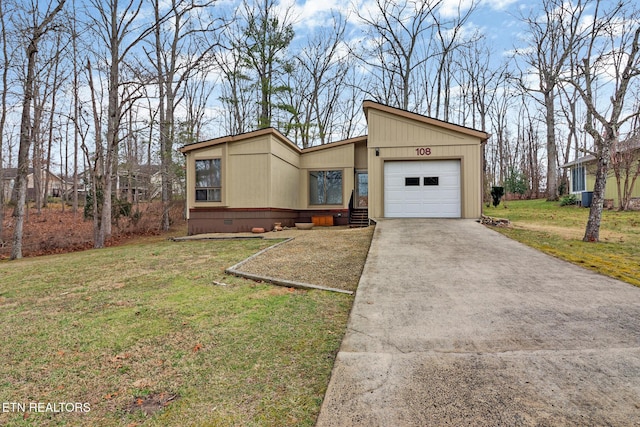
(240,137)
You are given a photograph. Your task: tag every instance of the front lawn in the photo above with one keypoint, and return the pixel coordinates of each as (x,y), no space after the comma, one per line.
(559,230)
(156,333)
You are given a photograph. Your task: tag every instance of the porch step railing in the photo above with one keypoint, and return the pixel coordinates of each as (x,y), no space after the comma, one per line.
(359,217)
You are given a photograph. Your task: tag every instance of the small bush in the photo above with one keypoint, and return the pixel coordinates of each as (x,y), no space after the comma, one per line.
(569,200)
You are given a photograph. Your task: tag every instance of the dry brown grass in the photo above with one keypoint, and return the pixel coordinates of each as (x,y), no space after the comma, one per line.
(333,257)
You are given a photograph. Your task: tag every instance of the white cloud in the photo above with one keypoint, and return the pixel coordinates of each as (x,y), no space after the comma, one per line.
(312,13)
(499,4)
(451,8)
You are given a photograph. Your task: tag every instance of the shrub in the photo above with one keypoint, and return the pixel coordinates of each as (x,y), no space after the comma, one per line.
(516,182)
(569,200)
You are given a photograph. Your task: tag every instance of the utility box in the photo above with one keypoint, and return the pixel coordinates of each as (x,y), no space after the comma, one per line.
(587,196)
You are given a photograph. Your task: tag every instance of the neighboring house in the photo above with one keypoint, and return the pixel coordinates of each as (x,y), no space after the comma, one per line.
(143,182)
(582,179)
(55,185)
(409,165)
(139,182)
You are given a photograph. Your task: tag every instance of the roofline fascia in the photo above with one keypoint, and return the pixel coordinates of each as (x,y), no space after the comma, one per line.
(240,137)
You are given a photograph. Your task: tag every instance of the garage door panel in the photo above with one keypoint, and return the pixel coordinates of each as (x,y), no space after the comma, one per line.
(424,201)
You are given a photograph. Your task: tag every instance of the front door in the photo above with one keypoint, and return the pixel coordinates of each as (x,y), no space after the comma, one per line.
(362,190)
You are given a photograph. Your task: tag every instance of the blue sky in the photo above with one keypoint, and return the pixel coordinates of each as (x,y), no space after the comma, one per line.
(497,19)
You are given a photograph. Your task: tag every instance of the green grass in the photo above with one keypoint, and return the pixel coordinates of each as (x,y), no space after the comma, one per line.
(558,231)
(143,335)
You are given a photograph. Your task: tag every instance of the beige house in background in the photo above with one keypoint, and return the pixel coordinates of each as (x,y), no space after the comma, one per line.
(55,184)
(408,165)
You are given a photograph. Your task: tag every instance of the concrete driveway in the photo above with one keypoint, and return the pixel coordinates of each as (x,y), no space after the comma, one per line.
(454,324)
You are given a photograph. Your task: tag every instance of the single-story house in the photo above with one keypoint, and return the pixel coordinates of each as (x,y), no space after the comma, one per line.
(138,182)
(55,184)
(408,165)
(582,179)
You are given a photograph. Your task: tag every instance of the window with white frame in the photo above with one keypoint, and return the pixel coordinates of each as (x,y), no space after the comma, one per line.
(578,178)
(208,180)
(325,187)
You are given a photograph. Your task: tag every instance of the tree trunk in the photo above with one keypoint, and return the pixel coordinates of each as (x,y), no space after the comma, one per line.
(23,151)
(164,84)
(25,132)
(552,149)
(592,230)
(3,114)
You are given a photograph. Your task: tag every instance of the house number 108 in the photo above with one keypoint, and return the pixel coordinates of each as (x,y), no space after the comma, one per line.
(423,151)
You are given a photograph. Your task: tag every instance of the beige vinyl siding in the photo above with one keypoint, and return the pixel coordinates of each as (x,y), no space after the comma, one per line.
(285,167)
(257,145)
(385,130)
(248,172)
(249,181)
(330,158)
(396,138)
(285,151)
(285,182)
(257,173)
(361,160)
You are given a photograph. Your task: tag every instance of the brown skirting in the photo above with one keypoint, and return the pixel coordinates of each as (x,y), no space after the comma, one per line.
(236,220)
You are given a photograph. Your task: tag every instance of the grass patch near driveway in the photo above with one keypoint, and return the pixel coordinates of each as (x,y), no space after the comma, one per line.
(156,333)
(558,231)
(327,256)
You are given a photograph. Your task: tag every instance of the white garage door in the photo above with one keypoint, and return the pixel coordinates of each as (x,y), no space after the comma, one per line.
(422,189)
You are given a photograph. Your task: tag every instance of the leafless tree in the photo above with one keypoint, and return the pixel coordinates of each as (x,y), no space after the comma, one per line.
(75,104)
(317,83)
(197,94)
(482,85)
(529,136)
(40,25)
(609,64)
(236,92)
(450,37)
(500,116)
(569,109)
(117,31)
(625,162)
(179,51)
(48,81)
(3,108)
(397,34)
(346,123)
(553,36)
